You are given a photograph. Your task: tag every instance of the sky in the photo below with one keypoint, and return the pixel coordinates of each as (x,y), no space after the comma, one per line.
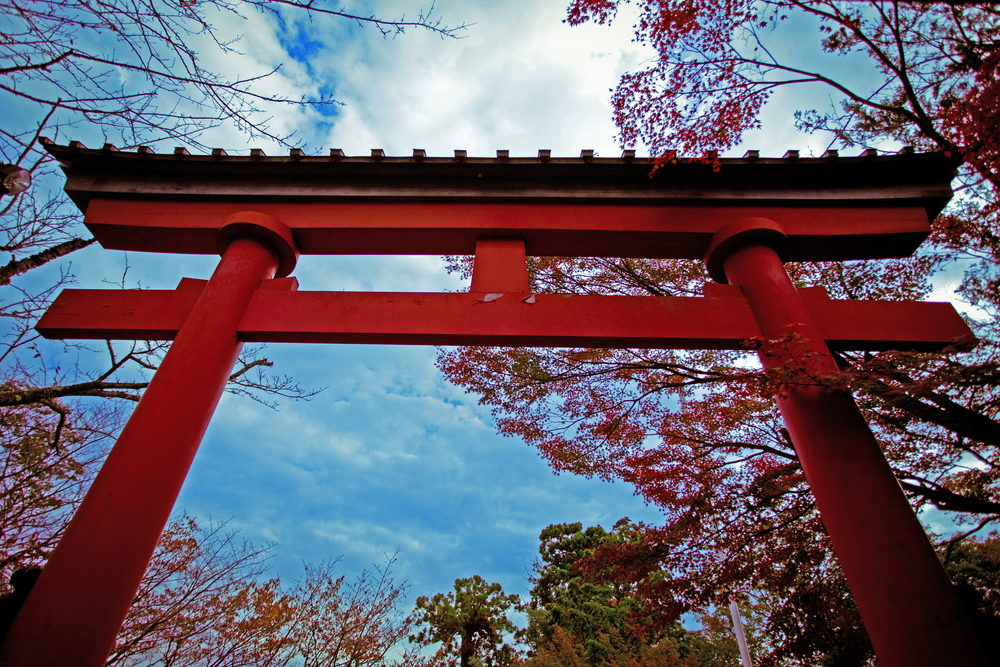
(389,457)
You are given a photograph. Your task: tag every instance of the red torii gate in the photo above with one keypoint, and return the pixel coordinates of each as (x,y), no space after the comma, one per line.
(259,213)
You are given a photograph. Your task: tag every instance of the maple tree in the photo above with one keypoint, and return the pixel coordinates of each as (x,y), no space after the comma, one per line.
(697,432)
(469,622)
(205,601)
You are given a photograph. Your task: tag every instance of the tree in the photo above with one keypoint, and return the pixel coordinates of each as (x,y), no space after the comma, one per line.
(566,610)
(38,480)
(349,625)
(205,601)
(715,72)
(133,72)
(475,615)
(60,59)
(974,566)
(696,432)
(739,517)
(573,620)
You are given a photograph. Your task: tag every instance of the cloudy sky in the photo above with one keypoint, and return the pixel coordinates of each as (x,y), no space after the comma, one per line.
(389,456)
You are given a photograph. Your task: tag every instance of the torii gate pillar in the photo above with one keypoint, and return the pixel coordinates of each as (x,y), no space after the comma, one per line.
(76,608)
(890,565)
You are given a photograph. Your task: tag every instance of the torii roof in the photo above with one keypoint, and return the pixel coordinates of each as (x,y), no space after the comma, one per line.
(831,207)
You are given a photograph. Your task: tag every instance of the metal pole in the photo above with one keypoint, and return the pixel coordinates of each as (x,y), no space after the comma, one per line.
(741,639)
(908,604)
(76,608)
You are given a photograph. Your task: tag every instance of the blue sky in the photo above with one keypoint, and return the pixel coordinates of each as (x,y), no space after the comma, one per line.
(390,456)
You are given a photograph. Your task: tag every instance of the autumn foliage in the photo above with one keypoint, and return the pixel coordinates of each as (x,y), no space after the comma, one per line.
(716,69)
(205,600)
(706,108)
(697,433)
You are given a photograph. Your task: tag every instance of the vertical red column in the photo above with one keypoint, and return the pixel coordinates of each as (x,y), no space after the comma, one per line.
(77,606)
(907,602)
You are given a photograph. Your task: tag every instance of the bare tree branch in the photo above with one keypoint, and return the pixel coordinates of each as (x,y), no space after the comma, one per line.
(17,267)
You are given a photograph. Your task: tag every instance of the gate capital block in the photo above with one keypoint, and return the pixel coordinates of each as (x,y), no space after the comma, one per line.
(265,228)
(740,233)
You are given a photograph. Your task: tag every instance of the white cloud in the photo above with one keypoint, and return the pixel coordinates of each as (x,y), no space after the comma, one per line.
(521,80)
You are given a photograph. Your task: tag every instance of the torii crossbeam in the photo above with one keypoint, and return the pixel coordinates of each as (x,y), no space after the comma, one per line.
(260,213)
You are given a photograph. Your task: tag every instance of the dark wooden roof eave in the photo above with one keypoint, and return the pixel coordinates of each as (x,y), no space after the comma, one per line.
(906,179)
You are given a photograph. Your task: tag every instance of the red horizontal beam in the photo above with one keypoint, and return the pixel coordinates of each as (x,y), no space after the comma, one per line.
(548,229)
(467,319)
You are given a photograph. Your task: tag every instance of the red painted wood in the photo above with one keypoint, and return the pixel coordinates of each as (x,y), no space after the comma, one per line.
(466,319)
(907,602)
(86,587)
(500,266)
(414,318)
(117,315)
(408,228)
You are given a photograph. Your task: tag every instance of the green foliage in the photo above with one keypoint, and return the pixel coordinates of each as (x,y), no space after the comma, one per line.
(977,565)
(469,622)
(597,618)
(974,566)
(563,604)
